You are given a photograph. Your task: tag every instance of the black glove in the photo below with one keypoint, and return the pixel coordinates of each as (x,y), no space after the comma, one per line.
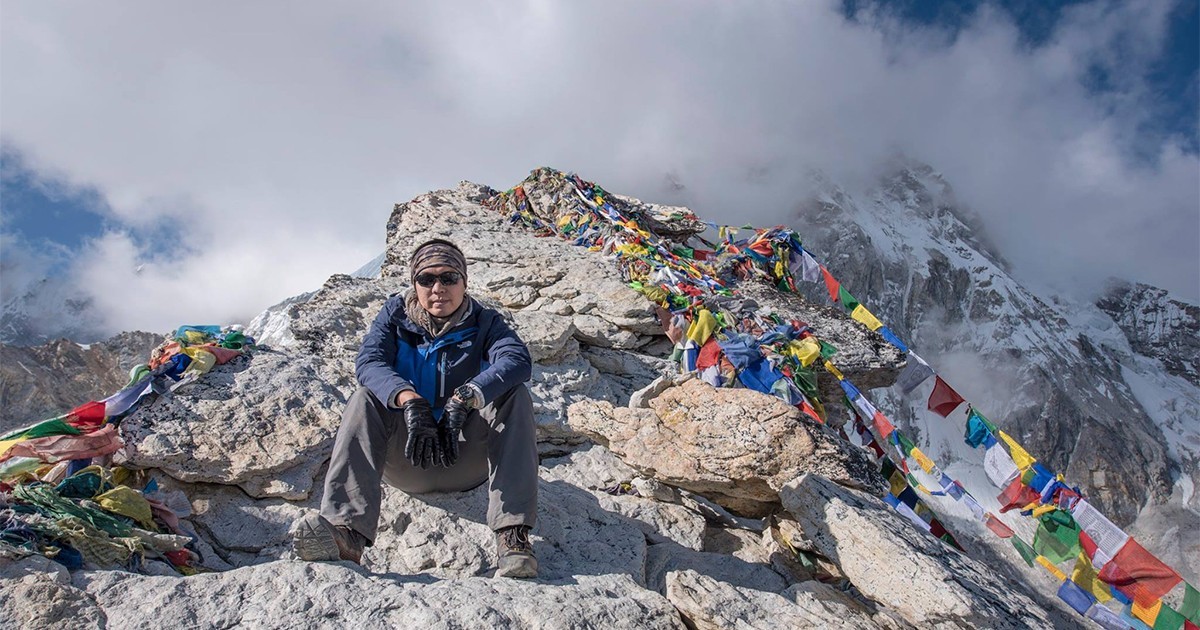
(453,418)
(422,448)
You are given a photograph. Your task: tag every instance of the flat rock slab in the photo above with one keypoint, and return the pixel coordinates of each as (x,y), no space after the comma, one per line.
(735,446)
(289,594)
(922,579)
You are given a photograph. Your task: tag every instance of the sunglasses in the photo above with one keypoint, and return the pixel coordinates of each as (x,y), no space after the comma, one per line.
(447,278)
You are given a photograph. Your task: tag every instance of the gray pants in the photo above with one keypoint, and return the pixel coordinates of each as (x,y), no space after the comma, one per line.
(499,446)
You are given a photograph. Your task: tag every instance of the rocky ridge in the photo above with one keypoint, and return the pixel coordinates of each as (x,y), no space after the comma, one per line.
(624,539)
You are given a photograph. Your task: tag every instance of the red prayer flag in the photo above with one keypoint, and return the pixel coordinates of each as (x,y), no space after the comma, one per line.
(88,416)
(1089,546)
(1188,625)
(1138,574)
(710,353)
(831,284)
(944,399)
(1017,495)
(812,413)
(882,425)
(998,527)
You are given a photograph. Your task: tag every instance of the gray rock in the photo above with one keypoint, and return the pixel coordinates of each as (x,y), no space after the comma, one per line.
(36,592)
(712,604)
(315,595)
(889,561)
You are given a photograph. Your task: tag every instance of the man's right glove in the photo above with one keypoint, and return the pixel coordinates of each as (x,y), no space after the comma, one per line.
(453,418)
(422,448)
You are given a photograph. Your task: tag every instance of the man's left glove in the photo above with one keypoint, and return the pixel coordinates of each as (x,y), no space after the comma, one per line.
(453,417)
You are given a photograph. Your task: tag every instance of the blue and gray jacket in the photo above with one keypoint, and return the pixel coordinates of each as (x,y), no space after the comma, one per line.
(482,350)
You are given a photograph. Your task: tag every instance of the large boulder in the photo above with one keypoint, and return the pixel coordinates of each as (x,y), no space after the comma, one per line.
(891,562)
(736,446)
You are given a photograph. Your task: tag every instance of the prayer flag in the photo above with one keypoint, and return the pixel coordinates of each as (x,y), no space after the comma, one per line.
(1016,495)
(1023,548)
(1101,538)
(977,432)
(891,338)
(999,466)
(1049,566)
(974,506)
(1138,574)
(1191,603)
(1148,613)
(850,390)
(974,414)
(1075,597)
(865,317)
(831,284)
(811,270)
(915,372)
(882,425)
(827,350)
(1168,619)
(943,399)
(1057,536)
(87,416)
(868,410)
(847,300)
(1084,574)
(923,461)
(997,526)
(1020,457)
(1106,618)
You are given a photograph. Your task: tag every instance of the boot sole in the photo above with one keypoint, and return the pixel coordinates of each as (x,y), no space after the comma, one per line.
(314,541)
(518,566)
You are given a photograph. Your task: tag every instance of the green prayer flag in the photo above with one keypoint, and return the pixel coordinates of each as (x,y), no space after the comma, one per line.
(1057,537)
(848,300)
(53,426)
(1168,619)
(906,444)
(1027,552)
(1191,603)
(827,350)
(806,380)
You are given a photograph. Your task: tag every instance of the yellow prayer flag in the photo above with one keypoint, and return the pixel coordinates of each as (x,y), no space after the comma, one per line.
(834,371)
(703,325)
(1020,457)
(1148,614)
(805,350)
(923,461)
(7,444)
(202,360)
(862,315)
(1085,576)
(897,483)
(1042,509)
(1049,566)
(563,221)
(126,501)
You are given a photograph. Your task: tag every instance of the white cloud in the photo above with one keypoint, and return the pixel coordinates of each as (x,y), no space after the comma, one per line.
(279,136)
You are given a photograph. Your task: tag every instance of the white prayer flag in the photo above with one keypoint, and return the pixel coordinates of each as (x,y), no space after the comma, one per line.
(999,466)
(1108,537)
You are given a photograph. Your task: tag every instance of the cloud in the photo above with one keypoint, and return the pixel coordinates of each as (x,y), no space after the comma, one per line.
(276,139)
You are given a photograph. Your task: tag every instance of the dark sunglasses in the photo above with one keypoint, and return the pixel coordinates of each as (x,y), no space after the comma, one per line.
(447,278)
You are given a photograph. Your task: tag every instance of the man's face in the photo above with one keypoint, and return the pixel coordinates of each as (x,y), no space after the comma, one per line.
(441,299)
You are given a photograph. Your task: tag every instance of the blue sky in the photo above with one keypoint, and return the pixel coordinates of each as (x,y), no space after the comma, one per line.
(170,167)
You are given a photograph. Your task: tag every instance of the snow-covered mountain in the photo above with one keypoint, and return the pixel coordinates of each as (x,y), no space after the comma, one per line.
(1104,393)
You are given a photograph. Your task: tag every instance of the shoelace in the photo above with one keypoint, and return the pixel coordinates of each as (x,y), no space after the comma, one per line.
(517,539)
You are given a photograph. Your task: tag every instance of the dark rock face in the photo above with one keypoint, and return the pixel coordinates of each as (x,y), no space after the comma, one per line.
(39,382)
(1157,326)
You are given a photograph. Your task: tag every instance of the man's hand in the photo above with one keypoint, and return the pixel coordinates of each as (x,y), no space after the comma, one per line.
(422,448)
(453,418)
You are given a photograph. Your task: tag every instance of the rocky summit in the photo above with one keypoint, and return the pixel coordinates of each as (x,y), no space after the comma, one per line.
(664,502)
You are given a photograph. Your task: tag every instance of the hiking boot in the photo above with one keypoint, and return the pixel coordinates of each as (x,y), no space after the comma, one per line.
(316,539)
(516,553)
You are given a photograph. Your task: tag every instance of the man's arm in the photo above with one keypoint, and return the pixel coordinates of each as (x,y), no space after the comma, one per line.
(509,359)
(374,366)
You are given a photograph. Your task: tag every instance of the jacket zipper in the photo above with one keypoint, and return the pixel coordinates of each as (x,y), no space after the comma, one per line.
(442,375)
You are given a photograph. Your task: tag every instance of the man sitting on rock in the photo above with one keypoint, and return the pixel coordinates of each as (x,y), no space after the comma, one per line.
(442,407)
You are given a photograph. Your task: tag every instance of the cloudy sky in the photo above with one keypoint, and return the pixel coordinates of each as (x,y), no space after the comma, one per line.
(197,162)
